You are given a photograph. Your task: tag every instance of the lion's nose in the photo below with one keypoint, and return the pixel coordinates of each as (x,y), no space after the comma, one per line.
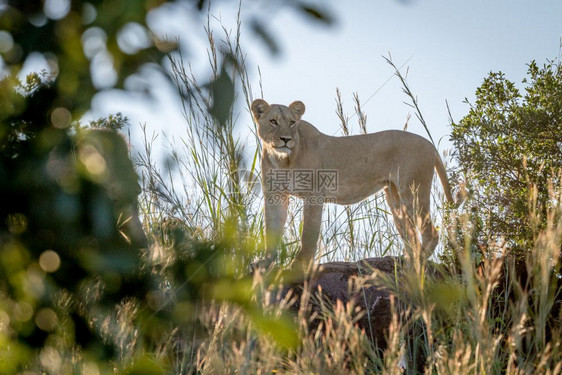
(285,139)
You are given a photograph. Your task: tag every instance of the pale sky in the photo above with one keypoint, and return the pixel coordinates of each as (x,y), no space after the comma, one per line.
(452,45)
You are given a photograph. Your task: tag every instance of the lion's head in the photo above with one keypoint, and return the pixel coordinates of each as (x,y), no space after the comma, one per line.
(278,126)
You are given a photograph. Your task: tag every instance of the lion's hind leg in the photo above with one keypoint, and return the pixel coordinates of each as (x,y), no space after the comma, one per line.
(402,213)
(429,235)
(410,211)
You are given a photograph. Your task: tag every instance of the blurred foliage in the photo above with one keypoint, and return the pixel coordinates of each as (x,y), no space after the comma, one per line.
(79,292)
(77,37)
(509,150)
(78,284)
(65,258)
(94,45)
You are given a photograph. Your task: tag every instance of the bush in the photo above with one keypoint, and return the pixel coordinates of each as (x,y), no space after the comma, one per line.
(509,152)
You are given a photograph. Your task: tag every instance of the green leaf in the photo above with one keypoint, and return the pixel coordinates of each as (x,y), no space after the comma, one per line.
(316,14)
(261,32)
(222,91)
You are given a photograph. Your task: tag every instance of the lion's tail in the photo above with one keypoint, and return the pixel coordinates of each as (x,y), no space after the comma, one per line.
(442,173)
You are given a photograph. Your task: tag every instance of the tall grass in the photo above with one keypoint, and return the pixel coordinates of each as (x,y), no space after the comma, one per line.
(365,229)
(463,316)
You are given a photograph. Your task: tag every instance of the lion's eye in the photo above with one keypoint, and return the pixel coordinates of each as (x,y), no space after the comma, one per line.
(273,122)
(291,123)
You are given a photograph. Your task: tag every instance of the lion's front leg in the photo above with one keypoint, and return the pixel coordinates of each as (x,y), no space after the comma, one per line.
(275,216)
(312,219)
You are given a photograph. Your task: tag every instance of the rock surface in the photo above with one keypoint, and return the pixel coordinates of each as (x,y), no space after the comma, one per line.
(344,281)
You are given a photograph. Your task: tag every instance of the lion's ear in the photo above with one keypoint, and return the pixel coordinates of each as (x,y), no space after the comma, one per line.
(259,107)
(297,107)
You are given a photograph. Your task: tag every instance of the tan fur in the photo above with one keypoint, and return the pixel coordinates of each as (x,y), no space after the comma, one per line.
(399,162)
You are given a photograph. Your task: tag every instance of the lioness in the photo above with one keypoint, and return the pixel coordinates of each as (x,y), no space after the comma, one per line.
(298,160)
